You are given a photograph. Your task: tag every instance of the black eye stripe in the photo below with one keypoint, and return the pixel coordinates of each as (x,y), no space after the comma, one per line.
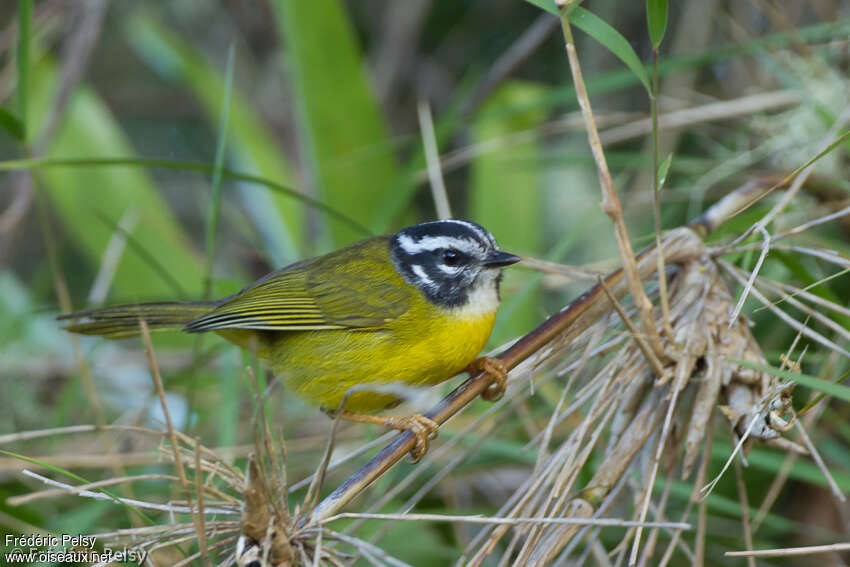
(442,258)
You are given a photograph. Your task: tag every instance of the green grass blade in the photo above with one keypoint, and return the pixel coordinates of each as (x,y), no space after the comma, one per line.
(282,190)
(656,19)
(215,198)
(78,478)
(602,32)
(546,5)
(11,124)
(813,382)
(508,179)
(345,140)
(663,170)
(80,194)
(251,146)
(23,62)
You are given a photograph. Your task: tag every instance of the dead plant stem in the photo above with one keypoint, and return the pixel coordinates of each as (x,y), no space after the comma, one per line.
(610,201)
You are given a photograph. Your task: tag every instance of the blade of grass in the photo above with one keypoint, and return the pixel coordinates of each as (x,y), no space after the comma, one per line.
(813,382)
(602,32)
(36,163)
(23,63)
(252,146)
(215,198)
(11,124)
(349,158)
(89,129)
(494,179)
(78,478)
(656,20)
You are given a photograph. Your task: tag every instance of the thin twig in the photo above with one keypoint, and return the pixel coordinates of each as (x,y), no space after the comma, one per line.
(791,551)
(610,201)
(644,348)
(199,492)
(745,510)
(141,504)
(616,522)
(157,380)
(764,250)
(432,159)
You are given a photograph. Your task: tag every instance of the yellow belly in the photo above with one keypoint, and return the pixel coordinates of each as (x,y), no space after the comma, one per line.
(415,350)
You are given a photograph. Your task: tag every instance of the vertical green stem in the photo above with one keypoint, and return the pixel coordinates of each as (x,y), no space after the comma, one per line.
(23,60)
(656,196)
(215,198)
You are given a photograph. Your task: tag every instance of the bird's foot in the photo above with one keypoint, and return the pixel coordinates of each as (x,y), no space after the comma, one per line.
(423,428)
(494,368)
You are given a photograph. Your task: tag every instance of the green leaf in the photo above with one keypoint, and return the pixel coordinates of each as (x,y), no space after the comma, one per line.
(599,30)
(215,198)
(656,19)
(602,32)
(546,6)
(11,124)
(663,169)
(251,146)
(508,179)
(23,61)
(813,382)
(348,153)
(81,194)
(58,470)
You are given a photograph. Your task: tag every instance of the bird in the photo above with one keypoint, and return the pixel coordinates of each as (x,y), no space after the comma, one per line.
(342,330)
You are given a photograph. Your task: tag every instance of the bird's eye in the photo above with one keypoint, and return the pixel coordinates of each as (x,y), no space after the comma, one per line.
(450,257)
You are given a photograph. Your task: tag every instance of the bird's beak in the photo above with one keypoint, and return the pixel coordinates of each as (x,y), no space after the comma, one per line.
(499,259)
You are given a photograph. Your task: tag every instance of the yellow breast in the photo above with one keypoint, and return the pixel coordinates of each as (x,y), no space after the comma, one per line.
(425,346)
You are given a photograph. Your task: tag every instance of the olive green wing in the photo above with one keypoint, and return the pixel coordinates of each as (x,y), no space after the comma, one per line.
(355,287)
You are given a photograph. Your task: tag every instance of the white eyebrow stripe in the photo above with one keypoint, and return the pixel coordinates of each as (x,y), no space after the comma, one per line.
(423,277)
(479,230)
(430,243)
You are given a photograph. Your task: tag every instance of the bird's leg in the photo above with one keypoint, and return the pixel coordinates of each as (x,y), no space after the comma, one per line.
(494,368)
(423,428)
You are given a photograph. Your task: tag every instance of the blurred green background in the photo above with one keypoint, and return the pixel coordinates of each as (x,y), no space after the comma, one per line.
(321,145)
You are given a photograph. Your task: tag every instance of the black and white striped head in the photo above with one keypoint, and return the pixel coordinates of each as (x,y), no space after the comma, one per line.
(453,262)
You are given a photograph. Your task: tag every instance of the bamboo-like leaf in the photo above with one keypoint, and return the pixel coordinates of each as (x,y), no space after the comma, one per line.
(345,140)
(663,169)
(656,19)
(507,179)
(11,124)
(80,194)
(602,32)
(215,198)
(546,6)
(599,30)
(23,62)
(813,382)
(252,147)
(283,190)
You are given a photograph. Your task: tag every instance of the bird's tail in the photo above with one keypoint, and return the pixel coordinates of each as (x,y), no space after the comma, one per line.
(123,320)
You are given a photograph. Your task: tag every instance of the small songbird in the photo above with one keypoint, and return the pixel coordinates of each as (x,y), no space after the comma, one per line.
(411,309)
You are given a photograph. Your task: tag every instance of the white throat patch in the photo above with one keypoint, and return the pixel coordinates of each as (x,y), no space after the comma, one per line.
(483,299)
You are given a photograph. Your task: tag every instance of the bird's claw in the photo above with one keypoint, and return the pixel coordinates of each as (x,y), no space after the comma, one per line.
(423,428)
(497,370)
